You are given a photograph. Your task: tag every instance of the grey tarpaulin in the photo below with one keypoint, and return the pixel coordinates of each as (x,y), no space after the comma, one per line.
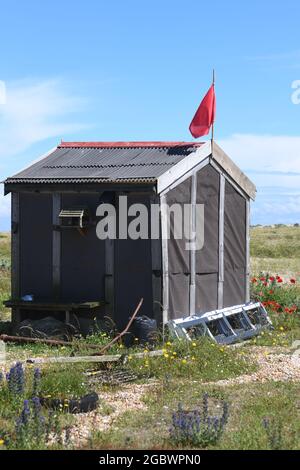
(206,292)
(234,247)
(179,257)
(207,259)
(179,294)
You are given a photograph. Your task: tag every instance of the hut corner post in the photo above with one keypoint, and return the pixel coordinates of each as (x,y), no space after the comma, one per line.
(156,261)
(56,246)
(247,250)
(15,256)
(192,299)
(221,241)
(165,261)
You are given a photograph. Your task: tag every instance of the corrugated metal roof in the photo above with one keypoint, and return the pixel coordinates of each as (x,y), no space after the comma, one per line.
(106,161)
(78,180)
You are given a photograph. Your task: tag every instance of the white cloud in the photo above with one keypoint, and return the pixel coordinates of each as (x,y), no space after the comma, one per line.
(264,152)
(34,112)
(31,113)
(273,164)
(288,206)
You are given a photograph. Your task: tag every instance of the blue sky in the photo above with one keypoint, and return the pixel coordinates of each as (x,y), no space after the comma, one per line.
(137,70)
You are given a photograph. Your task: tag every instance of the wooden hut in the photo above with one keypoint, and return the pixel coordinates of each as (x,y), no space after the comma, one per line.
(61,267)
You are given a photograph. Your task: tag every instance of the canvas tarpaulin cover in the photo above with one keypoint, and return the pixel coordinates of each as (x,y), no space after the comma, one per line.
(178,256)
(207,258)
(234,247)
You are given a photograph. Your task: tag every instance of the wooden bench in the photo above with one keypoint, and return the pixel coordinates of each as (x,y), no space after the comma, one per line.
(18,305)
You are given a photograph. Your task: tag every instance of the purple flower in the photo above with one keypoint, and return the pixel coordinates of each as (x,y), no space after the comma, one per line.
(197,427)
(16,379)
(36,381)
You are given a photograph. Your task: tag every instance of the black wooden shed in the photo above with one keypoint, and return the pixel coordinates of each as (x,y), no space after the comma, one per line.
(71,270)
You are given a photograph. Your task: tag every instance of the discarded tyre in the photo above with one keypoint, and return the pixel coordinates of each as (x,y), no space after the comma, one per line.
(84,404)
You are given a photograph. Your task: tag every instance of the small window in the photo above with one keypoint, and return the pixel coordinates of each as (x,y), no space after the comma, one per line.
(77,217)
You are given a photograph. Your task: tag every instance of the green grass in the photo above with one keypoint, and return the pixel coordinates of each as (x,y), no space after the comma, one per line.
(185,371)
(201,360)
(248,406)
(57,382)
(4,274)
(275,250)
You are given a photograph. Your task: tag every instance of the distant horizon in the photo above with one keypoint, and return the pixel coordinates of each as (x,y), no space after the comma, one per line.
(276,225)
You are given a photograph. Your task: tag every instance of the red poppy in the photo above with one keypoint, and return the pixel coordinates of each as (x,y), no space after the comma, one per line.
(265,283)
(272,278)
(287,310)
(262,278)
(253,280)
(279,279)
(293,281)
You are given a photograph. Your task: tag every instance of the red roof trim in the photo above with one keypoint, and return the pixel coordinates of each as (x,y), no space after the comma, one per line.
(128,144)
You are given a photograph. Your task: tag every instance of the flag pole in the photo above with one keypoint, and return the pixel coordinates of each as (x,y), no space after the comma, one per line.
(212,127)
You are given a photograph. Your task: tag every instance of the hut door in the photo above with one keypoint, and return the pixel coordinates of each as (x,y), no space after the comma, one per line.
(133,274)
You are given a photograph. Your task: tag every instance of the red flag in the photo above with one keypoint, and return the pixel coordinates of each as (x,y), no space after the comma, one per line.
(205,115)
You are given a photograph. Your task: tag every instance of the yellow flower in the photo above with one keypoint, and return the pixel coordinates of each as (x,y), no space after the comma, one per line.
(1,442)
(146,351)
(168,343)
(121,346)
(174,353)
(166,355)
(281,328)
(193,358)
(183,361)
(222,349)
(194,344)
(129,358)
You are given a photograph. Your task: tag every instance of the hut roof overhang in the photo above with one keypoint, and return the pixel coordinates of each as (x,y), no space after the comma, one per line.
(131,163)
